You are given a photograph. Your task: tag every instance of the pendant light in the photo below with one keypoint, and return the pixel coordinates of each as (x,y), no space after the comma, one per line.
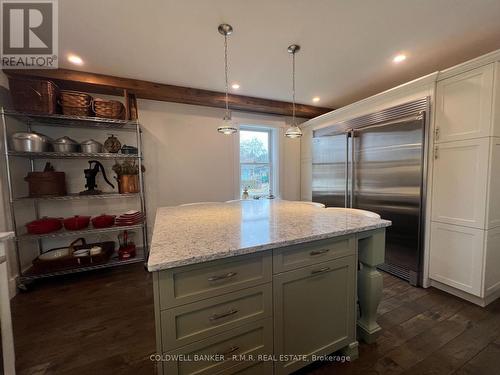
(227,126)
(293,131)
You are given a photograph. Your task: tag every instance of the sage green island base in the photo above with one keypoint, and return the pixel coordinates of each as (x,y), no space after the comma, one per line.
(371,253)
(263,305)
(271,312)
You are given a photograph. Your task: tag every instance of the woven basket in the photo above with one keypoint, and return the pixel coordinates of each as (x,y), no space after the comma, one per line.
(108,108)
(75,103)
(33,95)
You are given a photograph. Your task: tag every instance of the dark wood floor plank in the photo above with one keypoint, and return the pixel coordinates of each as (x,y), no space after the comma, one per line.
(428,342)
(102,323)
(462,348)
(82,324)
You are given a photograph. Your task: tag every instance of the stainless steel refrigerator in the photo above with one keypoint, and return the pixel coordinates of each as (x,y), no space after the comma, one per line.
(377,162)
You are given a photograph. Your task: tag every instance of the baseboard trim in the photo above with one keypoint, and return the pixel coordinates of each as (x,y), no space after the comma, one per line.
(483,302)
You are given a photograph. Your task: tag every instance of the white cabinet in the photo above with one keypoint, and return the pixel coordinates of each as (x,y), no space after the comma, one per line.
(492,262)
(465,211)
(460,177)
(464,105)
(493,201)
(457,257)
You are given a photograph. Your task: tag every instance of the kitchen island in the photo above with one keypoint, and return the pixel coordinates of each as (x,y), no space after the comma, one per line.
(262,286)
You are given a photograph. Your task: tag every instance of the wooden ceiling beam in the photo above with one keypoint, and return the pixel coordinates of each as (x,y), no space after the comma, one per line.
(111,85)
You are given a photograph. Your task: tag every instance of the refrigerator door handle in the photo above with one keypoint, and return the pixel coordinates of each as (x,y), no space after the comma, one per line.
(346,195)
(351,200)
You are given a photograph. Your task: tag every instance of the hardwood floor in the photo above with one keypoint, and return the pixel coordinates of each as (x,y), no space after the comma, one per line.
(102,323)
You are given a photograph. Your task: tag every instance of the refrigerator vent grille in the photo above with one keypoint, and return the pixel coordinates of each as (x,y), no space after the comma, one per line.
(396,271)
(390,114)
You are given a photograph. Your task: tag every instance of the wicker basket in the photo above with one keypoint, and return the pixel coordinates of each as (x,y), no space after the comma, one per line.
(33,95)
(75,103)
(108,108)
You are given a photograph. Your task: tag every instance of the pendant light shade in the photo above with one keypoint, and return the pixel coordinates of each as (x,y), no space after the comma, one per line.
(293,131)
(227,127)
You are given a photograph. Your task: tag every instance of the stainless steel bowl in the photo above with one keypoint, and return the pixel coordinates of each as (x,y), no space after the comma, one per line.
(91,146)
(65,144)
(30,142)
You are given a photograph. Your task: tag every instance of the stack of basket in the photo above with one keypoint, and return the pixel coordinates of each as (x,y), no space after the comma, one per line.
(75,103)
(41,96)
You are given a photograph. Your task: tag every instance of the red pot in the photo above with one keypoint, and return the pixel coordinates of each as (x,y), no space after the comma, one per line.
(103,221)
(76,222)
(44,225)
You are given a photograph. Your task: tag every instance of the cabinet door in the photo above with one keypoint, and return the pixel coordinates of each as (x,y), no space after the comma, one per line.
(456,257)
(493,202)
(459,183)
(464,105)
(492,262)
(314,311)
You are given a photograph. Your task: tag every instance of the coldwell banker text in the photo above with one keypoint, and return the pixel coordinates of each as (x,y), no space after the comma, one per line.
(29,34)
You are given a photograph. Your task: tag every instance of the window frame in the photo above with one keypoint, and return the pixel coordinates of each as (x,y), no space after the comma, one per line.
(272,154)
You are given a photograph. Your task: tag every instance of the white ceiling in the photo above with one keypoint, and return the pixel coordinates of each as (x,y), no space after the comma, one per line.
(347,45)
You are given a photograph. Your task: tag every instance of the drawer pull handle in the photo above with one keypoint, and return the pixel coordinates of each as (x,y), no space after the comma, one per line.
(222,277)
(319,252)
(321,270)
(222,315)
(232,349)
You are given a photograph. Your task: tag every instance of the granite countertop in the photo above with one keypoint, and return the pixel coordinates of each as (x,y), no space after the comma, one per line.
(199,233)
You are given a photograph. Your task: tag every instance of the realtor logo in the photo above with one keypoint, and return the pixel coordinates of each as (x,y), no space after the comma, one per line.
(29,34)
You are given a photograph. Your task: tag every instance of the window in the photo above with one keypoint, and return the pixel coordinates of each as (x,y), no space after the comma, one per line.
(256,161)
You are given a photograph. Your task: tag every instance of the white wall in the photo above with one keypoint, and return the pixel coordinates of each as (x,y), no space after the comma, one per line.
(187,160)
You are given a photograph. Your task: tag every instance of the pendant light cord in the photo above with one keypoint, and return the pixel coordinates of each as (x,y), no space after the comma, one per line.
(293,88)
(227,74)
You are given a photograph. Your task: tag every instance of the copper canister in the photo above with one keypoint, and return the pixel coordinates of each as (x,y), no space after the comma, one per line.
(128,183)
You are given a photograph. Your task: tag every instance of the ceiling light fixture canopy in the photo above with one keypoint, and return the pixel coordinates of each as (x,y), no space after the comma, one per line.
(227,126)
(293,131)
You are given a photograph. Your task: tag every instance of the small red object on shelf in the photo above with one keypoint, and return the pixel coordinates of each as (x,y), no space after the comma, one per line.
(127,252)
(103,221)
(127,246)
(44,225)
(76,222)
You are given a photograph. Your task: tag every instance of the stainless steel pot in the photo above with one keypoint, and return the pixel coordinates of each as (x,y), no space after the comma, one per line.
(65,144)
(91,146)
(30,142)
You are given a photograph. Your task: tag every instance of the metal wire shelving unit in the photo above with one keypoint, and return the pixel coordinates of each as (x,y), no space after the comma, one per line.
(27,276)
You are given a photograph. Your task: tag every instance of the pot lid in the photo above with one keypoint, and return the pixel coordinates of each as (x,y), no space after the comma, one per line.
(90,142)
(26,135)
(65,141)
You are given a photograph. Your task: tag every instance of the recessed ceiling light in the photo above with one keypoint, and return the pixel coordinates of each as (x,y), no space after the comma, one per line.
(74,59)
(316,99)
(235,86)
(399,58)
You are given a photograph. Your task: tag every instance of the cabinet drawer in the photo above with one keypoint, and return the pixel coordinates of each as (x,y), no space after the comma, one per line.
(248,340)
(188,284)
(249,368)
(297,256)
(188,323)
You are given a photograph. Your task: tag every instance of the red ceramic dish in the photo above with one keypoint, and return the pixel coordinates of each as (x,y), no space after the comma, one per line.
(76,222)
(103,221)
(44,225)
